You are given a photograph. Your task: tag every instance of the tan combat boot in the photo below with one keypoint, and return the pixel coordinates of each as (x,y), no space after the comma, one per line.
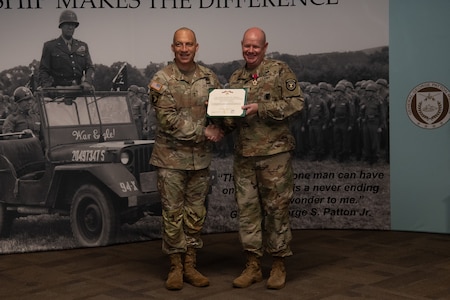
(191,275)
(175,278)
(277,278)
(251,274)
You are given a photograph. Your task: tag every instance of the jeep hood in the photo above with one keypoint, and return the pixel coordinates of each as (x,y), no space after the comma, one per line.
(94,152)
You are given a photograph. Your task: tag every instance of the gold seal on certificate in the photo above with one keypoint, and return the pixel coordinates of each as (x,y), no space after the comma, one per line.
(226,102)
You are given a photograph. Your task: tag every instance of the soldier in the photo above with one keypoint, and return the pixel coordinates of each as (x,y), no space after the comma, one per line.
(297,123)
(383,89)
(342,116)
(373,120)
(66,61)
(305,146)
(4,102)
(383,92)
(137,108)
(149,117)
(318,117)
(23,118)
(182,154)
(263,174)
(355,139)
(326,93)
(143,95)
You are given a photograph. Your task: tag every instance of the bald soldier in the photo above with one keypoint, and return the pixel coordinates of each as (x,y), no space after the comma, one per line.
(263,174)
(182,155)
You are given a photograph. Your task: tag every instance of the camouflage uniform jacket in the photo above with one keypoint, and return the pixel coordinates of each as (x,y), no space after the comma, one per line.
(180,108)
(279,96)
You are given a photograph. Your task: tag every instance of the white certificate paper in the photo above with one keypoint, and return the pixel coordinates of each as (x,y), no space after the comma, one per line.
(226,102)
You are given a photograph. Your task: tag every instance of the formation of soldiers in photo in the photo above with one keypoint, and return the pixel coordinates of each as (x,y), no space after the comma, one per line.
(343,122)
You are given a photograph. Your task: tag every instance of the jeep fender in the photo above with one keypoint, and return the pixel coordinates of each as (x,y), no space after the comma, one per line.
(115,176)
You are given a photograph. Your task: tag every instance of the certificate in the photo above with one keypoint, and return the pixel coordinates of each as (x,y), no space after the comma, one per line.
(226,102)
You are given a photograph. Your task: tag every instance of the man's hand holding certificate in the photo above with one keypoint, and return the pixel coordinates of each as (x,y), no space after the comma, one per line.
(226,102)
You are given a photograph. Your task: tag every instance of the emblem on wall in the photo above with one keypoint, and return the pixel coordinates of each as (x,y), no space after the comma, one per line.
(428,105)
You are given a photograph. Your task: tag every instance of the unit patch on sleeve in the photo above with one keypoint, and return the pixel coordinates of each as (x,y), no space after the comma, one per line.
(291,84)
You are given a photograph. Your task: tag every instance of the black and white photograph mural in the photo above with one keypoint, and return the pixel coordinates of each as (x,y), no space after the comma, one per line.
(53,190)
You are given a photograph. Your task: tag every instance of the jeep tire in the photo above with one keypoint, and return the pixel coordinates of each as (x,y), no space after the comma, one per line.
(93,216)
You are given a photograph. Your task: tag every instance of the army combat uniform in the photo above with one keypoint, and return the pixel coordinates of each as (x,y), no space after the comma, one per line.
(263,172)
(182,153)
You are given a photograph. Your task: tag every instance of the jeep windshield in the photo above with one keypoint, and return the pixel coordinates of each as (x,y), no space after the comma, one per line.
(73,116)
(73,111)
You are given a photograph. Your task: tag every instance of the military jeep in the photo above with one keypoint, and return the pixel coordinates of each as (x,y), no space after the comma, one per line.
(86,163)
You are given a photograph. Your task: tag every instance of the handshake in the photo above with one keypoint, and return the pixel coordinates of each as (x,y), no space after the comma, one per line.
(213,133)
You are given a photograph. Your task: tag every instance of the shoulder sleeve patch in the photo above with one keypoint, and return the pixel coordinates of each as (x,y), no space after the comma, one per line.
(154,85)
(291,84)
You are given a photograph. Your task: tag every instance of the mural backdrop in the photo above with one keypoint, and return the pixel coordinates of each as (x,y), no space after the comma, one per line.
(324,42)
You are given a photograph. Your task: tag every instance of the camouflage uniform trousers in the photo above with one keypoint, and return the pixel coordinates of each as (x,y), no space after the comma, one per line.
(264,189)
(183,194)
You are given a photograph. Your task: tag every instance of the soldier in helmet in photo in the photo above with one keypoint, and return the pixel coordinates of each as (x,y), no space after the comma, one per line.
(23,118)
(374,120)
(318,116)
(4,103)
(342,118)
(137,108)
(383,93)
(66,61)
